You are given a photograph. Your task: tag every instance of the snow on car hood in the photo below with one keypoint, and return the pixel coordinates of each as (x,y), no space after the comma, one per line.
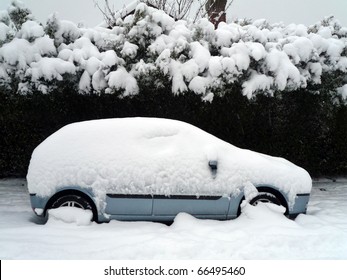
(153,156)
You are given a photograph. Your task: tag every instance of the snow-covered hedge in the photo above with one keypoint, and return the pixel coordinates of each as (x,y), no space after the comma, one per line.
(151,49)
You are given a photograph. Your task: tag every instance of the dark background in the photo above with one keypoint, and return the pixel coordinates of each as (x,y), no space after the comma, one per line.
(302,126)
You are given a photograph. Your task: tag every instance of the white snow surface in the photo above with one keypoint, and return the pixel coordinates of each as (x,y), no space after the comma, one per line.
(31,30)
(261,232)
(74,215)
(153,156)
(122,79)
(4,29)
(343,92)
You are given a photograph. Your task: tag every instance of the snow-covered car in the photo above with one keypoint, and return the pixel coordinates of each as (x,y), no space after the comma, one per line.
(153,169)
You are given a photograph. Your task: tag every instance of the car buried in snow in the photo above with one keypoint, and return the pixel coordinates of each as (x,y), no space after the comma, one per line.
(151,169)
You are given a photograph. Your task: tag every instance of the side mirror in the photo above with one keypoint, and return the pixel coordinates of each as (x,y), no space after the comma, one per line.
(213,165)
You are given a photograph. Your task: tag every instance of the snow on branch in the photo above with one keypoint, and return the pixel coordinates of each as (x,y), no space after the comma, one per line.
(149,48)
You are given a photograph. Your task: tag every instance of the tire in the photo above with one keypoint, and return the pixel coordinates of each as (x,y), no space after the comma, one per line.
(265,197)
(74,200)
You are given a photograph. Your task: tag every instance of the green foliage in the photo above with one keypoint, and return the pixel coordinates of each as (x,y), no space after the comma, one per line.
(19,14)
(52,26)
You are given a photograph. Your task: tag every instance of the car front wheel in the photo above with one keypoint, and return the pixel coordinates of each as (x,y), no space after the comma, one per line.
(74,200)
(265,198)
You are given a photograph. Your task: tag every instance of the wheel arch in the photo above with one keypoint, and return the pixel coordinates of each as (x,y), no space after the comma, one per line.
(73,191)
(272,190)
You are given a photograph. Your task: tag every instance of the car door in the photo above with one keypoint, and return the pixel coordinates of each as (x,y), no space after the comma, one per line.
(129,207)
(203,206)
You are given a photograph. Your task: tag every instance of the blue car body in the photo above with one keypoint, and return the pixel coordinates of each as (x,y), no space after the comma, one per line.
(163,208)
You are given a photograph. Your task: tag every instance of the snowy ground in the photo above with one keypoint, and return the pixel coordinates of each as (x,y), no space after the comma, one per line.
(259,233)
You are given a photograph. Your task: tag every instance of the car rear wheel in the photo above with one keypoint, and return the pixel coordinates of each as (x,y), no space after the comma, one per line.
(74,200)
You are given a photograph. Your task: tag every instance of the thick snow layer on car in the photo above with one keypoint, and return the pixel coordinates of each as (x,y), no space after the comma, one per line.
(153,156)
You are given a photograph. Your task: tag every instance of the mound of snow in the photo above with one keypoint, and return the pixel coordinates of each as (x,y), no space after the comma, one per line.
(30,30)
(70,215)
(255,218)
(272,211)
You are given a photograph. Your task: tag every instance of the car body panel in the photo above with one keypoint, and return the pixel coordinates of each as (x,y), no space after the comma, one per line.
(164,208)
(194,205)
(300,205)
(129,205)
(38,202)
